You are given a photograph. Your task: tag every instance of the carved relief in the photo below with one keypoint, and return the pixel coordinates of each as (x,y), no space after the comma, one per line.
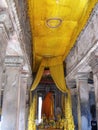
(3,43)
(85,42)
(21,26)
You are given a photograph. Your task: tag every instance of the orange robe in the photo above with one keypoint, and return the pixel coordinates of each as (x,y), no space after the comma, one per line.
(48,107)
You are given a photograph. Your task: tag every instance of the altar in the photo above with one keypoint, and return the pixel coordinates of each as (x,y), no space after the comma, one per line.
(50,110)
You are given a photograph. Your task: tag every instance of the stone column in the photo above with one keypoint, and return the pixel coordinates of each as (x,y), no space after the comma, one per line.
(83,102)
(11,99)
(22,113)
(2,85)
(78,105)
(94,65)
(3,45)
(1,72)
(75,106)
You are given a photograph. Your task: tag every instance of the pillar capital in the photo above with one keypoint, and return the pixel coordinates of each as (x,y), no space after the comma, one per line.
(82,76)
(71,84)
(14,61)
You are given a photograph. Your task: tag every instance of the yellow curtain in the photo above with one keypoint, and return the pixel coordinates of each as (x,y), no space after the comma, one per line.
(38,77)
(55,65)
(68,112)
(57,74)
(32,114)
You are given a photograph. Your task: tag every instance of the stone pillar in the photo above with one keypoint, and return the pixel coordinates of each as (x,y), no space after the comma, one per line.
(1,72)
(83,102)
(22,113)
(78,105)
(74,99)
(11,99)
(2,85)
(94,65)
(3,45)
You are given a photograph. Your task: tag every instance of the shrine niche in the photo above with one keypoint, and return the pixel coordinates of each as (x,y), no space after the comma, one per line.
(58,118)
(55,108)
(52,115)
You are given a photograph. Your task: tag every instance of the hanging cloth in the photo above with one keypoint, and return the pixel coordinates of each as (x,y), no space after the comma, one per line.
(55,65)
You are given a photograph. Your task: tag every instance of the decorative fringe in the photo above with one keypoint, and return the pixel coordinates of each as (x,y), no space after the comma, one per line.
(69,122)
(31,118)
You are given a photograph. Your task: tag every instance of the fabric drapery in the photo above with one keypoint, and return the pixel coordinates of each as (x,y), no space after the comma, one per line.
(54,32)
(55,65)
(57,74)
(69,124)
(38,77)
(32,114)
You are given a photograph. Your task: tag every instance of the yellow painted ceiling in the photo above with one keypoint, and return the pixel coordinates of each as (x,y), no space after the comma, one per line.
(55,25)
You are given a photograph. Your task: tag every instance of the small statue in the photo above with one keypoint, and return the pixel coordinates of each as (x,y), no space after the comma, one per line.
(48,106)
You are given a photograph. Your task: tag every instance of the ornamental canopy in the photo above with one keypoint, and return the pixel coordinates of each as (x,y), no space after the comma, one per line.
(55,26)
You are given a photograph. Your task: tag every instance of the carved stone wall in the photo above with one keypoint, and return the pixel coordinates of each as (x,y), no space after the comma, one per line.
(13,16)
(24,22)
(86,41)
(3,42)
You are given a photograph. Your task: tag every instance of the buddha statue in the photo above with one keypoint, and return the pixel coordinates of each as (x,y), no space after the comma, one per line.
(48,106)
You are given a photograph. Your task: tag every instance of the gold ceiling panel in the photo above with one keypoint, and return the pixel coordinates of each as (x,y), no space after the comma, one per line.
(55,25)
